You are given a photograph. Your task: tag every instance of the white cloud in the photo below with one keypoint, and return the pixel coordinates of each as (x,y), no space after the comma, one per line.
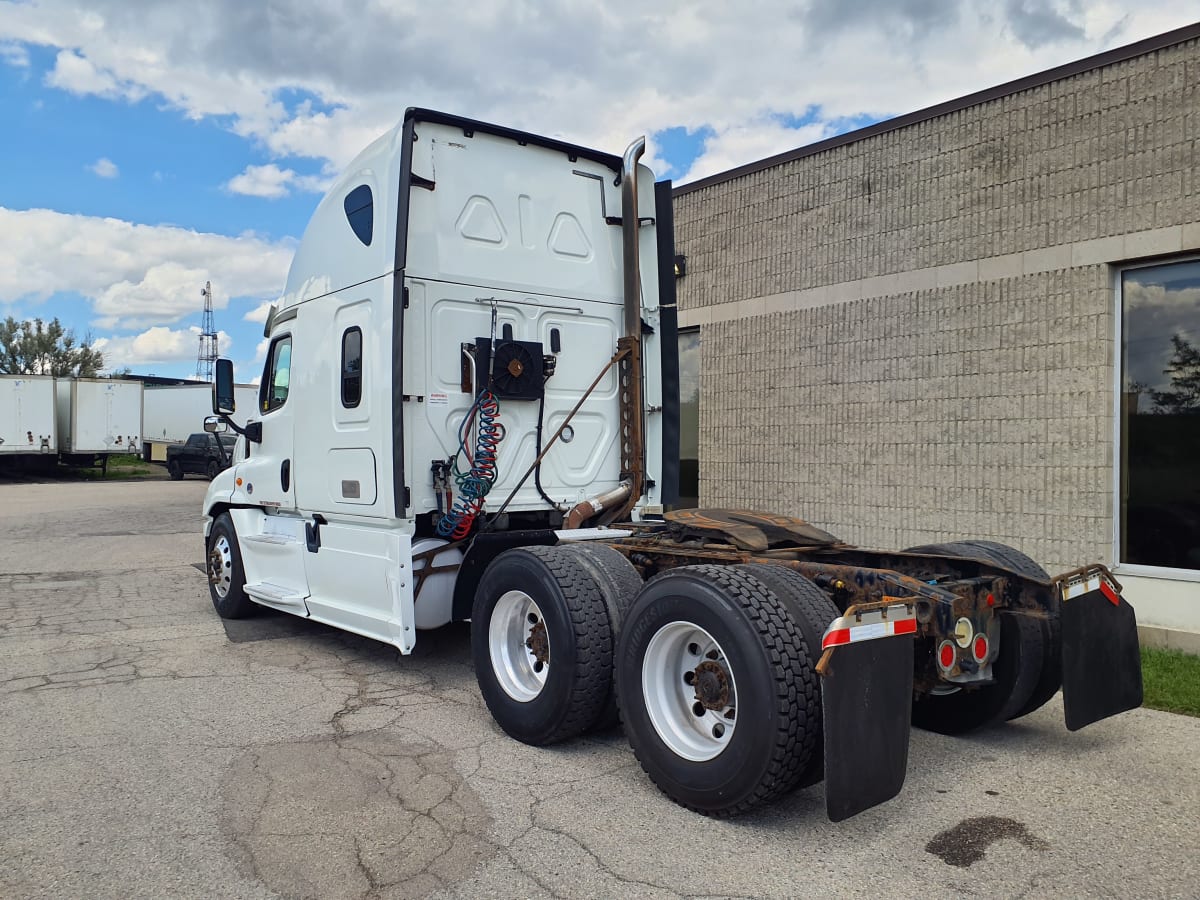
(589,71)
(272,182)
(104,168)
(737,144)
(155,346)
(77,75)
(14,55)
(259,313)
(133,275)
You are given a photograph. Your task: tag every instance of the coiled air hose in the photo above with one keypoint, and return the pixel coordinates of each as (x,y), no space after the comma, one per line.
(479,476)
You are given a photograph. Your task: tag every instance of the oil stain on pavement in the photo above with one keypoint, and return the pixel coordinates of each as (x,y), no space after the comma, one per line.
(965,843)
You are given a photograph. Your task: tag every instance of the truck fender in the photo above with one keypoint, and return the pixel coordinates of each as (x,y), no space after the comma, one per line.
(483,548)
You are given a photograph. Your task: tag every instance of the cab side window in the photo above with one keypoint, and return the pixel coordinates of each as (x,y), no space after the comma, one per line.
(277,375)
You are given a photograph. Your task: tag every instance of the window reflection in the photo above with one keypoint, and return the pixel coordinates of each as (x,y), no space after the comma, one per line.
(689,418)
(1160,415)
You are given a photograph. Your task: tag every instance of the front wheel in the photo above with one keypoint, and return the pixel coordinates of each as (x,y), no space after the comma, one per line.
(717,689)
(542,645)
(226,577)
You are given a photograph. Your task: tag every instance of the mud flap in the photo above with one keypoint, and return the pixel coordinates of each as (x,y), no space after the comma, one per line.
(866,696)
(1101,660)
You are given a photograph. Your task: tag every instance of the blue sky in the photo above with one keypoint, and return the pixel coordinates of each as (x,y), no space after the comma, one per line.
(147,151)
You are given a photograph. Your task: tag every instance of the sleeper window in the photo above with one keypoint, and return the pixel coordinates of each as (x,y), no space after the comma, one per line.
(360,212)
(351,367)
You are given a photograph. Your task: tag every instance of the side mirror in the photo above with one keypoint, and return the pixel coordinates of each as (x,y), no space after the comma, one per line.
(215,425)
(223,399)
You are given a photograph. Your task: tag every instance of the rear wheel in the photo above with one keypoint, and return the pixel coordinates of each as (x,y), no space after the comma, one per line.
(541,644)
(1050,678)
(214,469)
(1027,672)
(717,689)
(619,583)
(175,470)
(813,611)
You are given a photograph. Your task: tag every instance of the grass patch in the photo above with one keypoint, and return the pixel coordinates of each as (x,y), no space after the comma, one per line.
(1171,681)
(125,465)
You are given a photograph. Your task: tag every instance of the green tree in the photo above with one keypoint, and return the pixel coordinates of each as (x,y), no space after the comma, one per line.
(36,348)
(1184,369)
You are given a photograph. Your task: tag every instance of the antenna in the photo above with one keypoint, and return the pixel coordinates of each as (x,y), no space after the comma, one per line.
(207,357)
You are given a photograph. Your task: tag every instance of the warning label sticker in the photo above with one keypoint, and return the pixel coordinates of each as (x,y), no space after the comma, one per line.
(438,399)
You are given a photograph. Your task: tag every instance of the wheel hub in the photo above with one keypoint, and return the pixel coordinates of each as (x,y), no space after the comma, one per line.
(712,685)
(538,643)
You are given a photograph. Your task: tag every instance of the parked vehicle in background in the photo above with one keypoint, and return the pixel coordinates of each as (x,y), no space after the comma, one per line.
(98,418)
(28,430)
(170,413)
(201,454)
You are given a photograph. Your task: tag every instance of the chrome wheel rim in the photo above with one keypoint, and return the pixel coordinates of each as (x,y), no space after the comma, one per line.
(519,646)
(220,566)
(689,691)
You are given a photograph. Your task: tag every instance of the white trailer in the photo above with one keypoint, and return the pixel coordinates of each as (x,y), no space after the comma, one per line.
(470,379)
(28,427)
(170,413)
(98,417)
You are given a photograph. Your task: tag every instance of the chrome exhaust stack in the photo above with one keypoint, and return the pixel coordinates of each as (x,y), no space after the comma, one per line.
(629,238)
(632,433)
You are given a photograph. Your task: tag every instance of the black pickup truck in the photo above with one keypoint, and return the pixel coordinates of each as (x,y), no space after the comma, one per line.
(200,455)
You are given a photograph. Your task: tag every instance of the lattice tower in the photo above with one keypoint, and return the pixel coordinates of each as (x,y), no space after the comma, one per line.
(207,357)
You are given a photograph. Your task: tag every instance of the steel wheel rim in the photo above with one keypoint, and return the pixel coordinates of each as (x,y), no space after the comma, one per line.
(672,704)
(220,566)
(520,672)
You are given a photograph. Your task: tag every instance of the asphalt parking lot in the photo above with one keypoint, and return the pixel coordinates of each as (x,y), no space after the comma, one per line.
(149,751)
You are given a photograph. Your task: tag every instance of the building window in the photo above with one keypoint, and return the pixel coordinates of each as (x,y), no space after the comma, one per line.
(689,418)
(277,375)
(351,367)
(360,212)
(1159,419)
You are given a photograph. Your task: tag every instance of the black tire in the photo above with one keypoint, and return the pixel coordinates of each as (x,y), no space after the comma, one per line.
(774,688)
(226,573)
(1050,679)
(578,668)
(813,610)
(214,469)
(1001,555)
(619,583)
(175,470)
(1015,671)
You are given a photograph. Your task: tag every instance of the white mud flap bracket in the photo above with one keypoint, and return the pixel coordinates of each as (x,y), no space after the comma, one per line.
(866,674)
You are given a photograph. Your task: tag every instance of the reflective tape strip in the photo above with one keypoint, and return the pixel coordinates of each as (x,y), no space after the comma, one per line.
(843,631)
(1094,582)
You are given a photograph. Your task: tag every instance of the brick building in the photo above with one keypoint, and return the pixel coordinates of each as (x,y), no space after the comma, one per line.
(977,320)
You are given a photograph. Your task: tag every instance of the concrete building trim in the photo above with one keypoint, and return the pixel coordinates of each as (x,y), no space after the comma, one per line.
(911,332)
(1118,250)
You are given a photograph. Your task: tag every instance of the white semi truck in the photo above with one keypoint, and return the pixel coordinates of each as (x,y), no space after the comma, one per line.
(28,427)
(469,411)
(171,413)
(98,418)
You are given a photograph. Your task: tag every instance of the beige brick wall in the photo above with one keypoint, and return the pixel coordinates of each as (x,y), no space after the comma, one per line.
(1102,153)
(980,405)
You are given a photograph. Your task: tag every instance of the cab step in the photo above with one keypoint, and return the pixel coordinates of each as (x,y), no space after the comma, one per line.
(277,595)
